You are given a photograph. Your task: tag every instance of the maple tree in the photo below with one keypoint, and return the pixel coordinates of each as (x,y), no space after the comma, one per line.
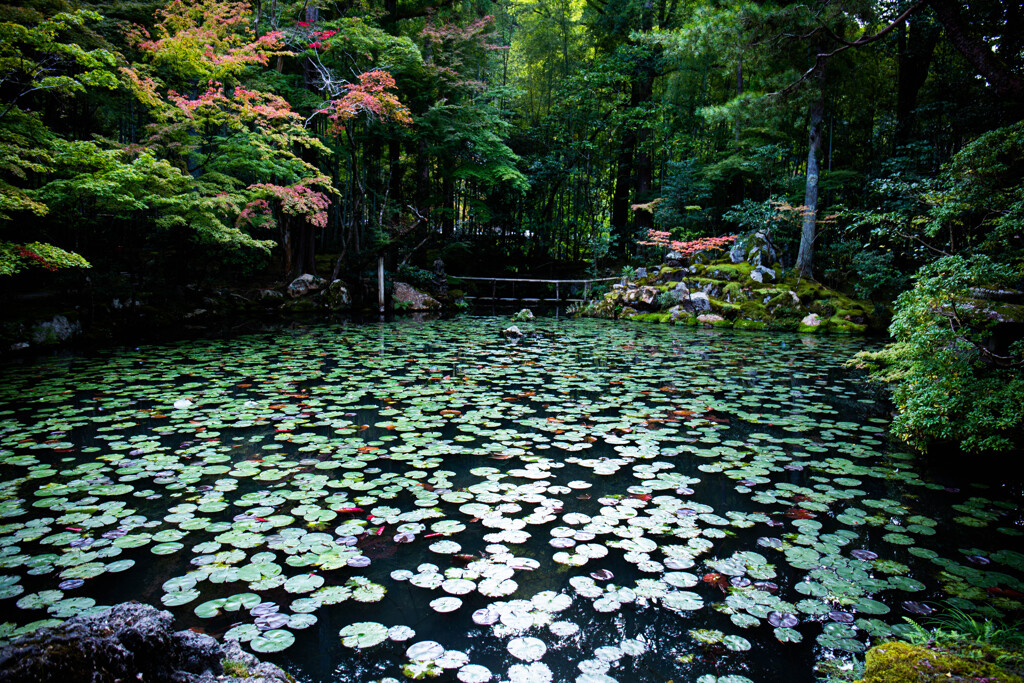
(660,238)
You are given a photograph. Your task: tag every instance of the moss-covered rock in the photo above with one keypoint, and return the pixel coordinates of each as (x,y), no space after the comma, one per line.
(728,290)
(899,662)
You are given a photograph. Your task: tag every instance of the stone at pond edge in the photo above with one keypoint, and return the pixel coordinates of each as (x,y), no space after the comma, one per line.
(701,303)
(55,331)
(523,316)
(512,332)
(413,299)
(338,297)
(305,283)
(899,662)
(127,642)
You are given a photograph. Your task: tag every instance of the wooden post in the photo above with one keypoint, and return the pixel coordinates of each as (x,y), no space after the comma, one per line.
(557,297)
(380,283)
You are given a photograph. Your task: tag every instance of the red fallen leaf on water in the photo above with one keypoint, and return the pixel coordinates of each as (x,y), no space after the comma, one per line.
(343,510)
(73,528)
(503,457)
(996,591)
(432,535)
(463,560)
(380,531)
(261,519)
(555,419)
(367,449)
(799,513)
(641,496)
(717,420)
(718,580)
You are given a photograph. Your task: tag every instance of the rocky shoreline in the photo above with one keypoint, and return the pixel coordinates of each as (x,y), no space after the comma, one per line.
(130,642)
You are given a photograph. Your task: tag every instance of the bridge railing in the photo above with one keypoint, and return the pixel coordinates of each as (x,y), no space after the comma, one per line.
(560,287)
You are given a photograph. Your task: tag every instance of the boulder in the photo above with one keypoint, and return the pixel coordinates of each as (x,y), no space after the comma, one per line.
(417,301)
(674,259)
(754,248)
(762,273)
(709,318)
(305,283)
(523,316)
(677,313)
(811,320)
(700,302)
(55,331)
(648,295)
(338,298)
(680,292)
(130,641)
(512,332)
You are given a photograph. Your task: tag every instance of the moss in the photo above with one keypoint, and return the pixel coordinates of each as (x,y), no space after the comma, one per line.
(652,317)
(837,324)
(899,662)
(809,329)
(754,311)
(235,668)
(743,324)
(724,308)
(729,271)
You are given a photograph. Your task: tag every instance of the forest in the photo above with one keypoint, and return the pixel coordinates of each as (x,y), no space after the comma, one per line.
(205,392)
(154,148)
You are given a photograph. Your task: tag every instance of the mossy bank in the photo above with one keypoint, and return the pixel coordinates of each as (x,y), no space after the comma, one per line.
(734,291)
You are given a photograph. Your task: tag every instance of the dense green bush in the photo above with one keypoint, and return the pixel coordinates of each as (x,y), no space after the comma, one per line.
(956,377)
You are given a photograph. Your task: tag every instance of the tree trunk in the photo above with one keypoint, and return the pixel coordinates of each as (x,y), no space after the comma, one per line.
(620,196)
(916,45)
(976,51)
(805,257)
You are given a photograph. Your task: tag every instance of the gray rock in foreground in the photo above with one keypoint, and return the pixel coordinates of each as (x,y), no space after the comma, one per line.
(128,642)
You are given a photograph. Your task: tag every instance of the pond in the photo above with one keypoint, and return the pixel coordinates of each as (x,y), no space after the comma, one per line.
(598,502)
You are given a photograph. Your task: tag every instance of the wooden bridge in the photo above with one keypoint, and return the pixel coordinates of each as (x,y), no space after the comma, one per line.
(560,287)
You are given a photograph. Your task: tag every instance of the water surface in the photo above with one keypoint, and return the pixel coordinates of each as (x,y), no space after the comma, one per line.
(600,501)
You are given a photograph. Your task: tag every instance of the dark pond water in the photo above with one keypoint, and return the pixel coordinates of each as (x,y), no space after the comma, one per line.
(601,502)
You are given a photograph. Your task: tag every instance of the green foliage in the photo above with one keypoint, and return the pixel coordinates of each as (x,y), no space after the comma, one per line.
(876,273)
(954,377)
(417,277)
(980,198)
(17,257)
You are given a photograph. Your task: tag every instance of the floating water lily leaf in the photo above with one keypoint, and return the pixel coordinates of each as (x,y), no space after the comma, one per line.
(274,640)
(425,650)
(474,673)
(788,635)
(363,634)
(303,583)
(683,600)
(527,649)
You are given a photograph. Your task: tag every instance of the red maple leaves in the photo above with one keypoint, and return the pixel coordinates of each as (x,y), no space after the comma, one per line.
(658,238)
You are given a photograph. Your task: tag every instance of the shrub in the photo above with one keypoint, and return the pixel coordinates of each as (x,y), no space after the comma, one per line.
(953,377)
